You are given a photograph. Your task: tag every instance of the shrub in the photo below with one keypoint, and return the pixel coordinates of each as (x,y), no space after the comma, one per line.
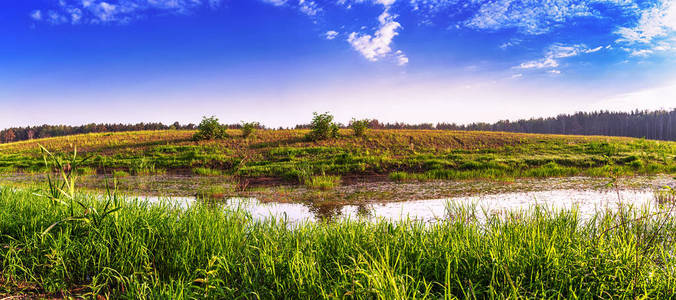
(210,129)
(322,127)
(249,128)
(359,126)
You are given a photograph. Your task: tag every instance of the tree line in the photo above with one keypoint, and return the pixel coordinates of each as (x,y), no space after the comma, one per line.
(658,125)
(44,131)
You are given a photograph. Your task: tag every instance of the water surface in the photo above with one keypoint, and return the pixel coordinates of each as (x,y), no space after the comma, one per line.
(587,202)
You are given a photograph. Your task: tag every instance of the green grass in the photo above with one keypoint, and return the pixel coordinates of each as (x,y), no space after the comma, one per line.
(162,251)
(120,174)
(285,154)
(206,172)
(86,171)
(322,182)
(212,192)
(665,196)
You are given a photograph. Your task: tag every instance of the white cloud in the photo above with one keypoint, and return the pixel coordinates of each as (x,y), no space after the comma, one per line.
(275,2)
(75,15)
(56,18)
(510,43)
(652,30)
(655,22)
(642,52)
(402,59)
(385,2)
(376,46)
(427,10)
(309,8)
(109,11)
(106,11)
(546,62)
(331,34)
(554,53)
(349,3)
(36,15)
(530,17)
(596,49)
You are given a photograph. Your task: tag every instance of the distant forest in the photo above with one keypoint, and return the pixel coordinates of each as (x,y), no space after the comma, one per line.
(655,125)
(658,125)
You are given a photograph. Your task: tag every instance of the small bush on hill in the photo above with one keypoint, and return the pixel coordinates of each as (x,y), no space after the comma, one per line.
(322,127)
(210,129)
(359,127)
(249,128)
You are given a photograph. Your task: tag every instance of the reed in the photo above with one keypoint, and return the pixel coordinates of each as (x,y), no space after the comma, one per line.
(666,195)
(162,250)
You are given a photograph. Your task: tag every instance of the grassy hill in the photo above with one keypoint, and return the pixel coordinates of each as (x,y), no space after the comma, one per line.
(399,154)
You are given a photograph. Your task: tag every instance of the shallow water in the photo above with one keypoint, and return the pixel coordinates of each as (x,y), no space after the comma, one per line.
(392,201)
(588,202)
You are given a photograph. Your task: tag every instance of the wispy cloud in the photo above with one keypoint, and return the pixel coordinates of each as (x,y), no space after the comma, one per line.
(546,62)
(525,20)
(275,2)
(402,59)
(331,34)
(554,53)
(121,12)
(309,8)
(655,22)
(36,15)
(653,32)
(527,16)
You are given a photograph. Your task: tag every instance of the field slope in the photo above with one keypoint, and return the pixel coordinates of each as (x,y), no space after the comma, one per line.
(399,154)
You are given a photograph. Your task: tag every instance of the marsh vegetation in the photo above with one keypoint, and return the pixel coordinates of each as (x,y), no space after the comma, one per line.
(161,250)
(58,241)
(403,155)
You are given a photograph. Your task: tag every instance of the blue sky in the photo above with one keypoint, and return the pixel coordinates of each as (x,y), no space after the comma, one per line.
(277,61)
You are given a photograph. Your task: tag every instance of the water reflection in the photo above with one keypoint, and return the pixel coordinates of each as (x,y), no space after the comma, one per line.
(588,202)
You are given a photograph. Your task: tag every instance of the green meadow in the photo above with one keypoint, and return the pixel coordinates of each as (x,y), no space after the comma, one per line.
(400,155)
(57,241)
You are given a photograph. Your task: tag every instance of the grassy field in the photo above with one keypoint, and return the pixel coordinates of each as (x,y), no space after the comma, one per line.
(398,154)
(127,249)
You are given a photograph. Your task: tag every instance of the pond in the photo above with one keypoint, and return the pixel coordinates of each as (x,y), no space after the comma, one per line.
(423,201)
(588,202)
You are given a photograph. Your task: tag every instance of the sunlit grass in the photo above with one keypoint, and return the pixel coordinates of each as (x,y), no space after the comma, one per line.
(288,155)
(322,182)
(206,172)
(202,251)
